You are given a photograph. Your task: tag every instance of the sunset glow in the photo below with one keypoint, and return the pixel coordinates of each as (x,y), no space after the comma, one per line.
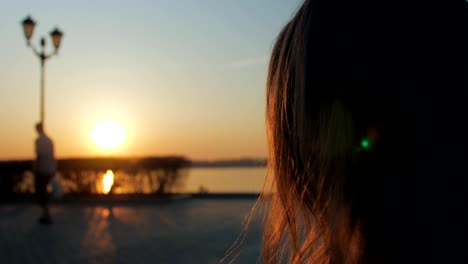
(205,102)
(108,134)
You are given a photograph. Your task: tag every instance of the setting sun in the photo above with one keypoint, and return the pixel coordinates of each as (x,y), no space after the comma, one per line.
(108,134)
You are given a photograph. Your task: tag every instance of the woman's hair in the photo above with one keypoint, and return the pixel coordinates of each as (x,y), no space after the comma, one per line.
(344,131)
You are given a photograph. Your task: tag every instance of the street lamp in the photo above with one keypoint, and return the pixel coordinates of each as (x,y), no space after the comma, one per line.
(56,36)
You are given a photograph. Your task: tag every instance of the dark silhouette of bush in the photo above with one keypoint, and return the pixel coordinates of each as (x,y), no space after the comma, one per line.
(158,174)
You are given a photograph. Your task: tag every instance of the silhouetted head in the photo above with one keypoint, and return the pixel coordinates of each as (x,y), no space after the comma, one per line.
(39,128)
(348,116)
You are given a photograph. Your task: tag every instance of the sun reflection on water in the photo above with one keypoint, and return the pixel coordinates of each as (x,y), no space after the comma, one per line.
(107,181)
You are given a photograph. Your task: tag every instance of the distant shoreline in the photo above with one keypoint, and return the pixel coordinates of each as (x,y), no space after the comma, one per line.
(229,163)
(122,199)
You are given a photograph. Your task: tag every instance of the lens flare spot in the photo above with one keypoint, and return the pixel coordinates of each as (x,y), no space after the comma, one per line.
(107,181)
(365,143)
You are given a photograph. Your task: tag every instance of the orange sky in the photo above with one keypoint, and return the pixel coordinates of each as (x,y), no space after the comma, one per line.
(182,79)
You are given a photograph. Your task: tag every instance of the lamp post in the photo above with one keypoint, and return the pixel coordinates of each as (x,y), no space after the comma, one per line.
(56,36)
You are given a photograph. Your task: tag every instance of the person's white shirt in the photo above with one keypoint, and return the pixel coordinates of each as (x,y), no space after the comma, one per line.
(45,160)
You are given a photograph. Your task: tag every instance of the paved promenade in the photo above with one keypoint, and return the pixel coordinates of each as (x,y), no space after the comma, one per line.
(184,231)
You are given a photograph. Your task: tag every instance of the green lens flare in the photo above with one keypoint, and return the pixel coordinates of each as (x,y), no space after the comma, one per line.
(365,143)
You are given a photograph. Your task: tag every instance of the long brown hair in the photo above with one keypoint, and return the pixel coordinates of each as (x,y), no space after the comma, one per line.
(303,150)
(335,112)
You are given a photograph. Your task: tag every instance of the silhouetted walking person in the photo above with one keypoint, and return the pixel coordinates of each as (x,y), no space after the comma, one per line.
(44,170)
